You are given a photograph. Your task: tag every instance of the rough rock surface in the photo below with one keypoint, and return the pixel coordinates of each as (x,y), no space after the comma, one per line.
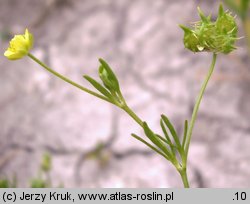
(141,40)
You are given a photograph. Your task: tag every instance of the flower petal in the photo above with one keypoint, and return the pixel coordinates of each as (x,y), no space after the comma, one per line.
(20,46)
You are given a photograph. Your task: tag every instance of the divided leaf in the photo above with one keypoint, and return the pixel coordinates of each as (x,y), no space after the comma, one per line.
(155,139)
(150,146)
(98,86)
(185,134)
(108,76)
(172,130)
(167,137)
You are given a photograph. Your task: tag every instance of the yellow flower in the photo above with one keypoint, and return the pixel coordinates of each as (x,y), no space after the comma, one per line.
(20,46)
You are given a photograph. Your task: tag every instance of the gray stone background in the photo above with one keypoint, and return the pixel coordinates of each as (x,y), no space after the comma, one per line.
(141,40)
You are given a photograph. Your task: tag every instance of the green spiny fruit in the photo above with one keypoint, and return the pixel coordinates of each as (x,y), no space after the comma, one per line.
(226,28)
(225,23)
(217,37)
(190,39)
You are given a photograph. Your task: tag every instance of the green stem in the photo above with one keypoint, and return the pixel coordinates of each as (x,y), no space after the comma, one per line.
(128,110)
(182,171)
(184,177)
(68,80)
(132,114)
(197,105)
(124,107)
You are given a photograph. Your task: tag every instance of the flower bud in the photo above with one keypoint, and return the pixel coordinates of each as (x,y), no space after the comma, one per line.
(20,46)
